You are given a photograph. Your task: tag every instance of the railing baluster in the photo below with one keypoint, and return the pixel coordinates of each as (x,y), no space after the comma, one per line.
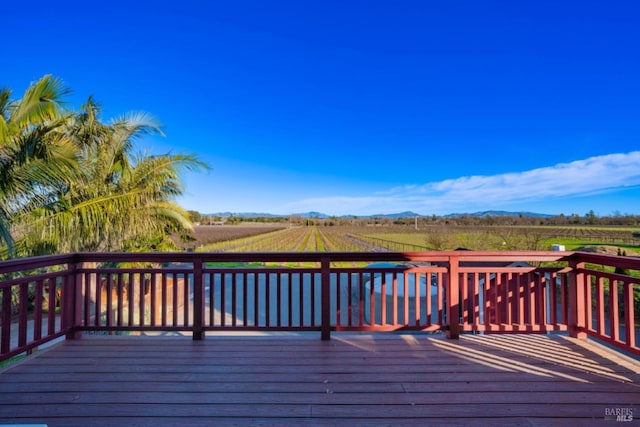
(512,279)
(487,289)
(153,300)
(614,318)
(52,305)
(564,298)
(629,314)
(213,278)
(109,307)
(267,305)
(131,294)
(476,301)
(383,299)
(464,299)
(428,299)
(394,299)
(372,300)
(5,342)
(553,299)
(442,284)
(234,298)
(313,299)
(186,300)
(361,299)
(37,309)
(223,299)
(278,300)
(290,300)
(600,325)
(350,299)
(418,296)
(520,298)
(406,300)
(22,313)
(174,317)
(543,300)
(165,306)
(256,298)
(97,302)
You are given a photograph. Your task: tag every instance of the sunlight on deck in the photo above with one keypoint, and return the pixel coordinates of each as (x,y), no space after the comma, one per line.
(538,348)
(499,362)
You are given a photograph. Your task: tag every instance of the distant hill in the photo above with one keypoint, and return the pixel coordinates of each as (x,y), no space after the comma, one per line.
(311,214)
(245,215)
(485,214)
(405,214)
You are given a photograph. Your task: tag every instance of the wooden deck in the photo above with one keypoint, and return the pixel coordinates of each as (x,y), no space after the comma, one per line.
(352,380)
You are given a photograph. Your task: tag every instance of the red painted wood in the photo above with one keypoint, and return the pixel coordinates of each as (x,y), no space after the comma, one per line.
(198,300)
(5,341)
(326,298)
(553,298)
(52,303)
(629,319)
(37,310)
(164,305)
(453,299)
(514,298)
(185,299)
(361,380)
(313,299)
(23,303)
(350,299)
(614,318)
(154,302)
(290,301)
(599,307)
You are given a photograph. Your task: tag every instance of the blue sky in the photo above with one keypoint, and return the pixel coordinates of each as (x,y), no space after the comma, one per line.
(361,107)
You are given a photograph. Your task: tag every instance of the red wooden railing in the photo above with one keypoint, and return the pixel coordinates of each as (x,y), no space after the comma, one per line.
(46,298)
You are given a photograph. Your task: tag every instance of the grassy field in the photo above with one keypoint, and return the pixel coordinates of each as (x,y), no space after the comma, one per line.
(352,239)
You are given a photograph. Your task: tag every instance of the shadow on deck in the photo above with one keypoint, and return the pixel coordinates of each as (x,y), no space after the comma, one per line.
(296,379)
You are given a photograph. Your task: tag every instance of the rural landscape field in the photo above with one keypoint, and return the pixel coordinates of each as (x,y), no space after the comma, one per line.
(407,237)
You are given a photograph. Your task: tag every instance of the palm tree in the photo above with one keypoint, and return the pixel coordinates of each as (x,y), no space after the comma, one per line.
(36,158)
(117,200)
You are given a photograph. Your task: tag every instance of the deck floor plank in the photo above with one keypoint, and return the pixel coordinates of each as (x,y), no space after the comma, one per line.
(354,379)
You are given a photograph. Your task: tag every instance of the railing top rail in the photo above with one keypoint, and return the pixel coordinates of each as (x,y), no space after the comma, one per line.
(629,262)
(22,264)
(432,256)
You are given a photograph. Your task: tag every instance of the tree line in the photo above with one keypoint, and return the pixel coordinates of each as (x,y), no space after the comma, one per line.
(588,219)
(70,181)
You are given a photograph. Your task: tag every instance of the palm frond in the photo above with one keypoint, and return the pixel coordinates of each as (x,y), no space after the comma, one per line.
(5,97)
(6,239)
(42,101)
(135,124)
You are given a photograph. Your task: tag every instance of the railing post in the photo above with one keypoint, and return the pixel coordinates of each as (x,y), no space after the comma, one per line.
(453,299)
(5,317)
(325,276)
(577,303)
(72,301)
(198,300)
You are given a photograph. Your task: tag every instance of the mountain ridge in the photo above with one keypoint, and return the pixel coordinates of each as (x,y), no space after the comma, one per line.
(405,214)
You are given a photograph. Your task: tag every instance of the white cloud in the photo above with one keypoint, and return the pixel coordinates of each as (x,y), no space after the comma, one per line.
(594,175)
